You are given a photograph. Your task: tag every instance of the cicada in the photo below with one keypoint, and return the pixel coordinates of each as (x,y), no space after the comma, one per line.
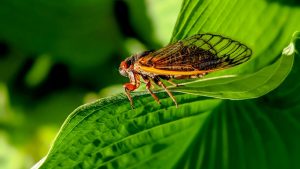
(192,57)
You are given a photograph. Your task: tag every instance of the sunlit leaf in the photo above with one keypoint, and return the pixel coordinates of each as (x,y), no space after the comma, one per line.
(202,132)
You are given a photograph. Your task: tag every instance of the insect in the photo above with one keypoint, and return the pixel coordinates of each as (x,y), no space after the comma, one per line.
(192,57)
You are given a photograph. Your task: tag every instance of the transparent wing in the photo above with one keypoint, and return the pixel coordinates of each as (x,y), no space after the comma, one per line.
(197,53)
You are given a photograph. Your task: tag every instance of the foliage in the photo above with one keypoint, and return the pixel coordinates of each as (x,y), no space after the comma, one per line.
(56,55)
(202,132)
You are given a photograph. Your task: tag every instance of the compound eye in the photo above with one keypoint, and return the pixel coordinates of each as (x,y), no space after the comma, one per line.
(123,65)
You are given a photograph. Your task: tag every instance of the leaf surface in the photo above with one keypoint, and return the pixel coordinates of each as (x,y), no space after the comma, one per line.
(202,132)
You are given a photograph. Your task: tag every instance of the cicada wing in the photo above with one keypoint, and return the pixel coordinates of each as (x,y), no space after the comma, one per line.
(229,51)
(199,52)
(162,54)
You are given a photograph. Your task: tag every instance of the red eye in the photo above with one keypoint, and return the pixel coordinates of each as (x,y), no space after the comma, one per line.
(123,65)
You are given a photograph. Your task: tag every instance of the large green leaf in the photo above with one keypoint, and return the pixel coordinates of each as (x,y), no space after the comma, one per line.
(199,133)
(202,132)
(264,26)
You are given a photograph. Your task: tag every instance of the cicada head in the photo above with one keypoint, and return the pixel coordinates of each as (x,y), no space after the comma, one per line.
(123,69)
(126,66)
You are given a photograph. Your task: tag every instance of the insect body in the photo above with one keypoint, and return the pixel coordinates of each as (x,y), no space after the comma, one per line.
(192,57)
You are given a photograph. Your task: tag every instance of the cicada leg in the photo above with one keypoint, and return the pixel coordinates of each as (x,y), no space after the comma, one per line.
(168,79)
(148,86)
(161,84)
(128,88)
(172,83)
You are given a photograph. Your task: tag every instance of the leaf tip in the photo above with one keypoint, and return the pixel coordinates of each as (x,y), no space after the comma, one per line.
(289,50)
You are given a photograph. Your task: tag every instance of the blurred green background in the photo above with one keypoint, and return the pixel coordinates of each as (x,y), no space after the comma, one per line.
(57,55)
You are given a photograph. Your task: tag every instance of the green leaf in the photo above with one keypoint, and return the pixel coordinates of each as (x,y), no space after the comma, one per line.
(104,134)
(264,26)
(202,132)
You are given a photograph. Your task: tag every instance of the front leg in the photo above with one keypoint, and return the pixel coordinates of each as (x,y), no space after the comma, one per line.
(128,88)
